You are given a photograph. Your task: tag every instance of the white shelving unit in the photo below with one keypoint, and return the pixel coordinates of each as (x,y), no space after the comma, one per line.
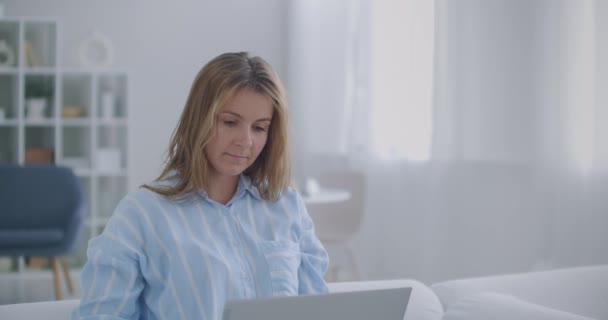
(83,126)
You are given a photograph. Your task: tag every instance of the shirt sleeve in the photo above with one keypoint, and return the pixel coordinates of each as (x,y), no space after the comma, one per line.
(111,279)
(314,257)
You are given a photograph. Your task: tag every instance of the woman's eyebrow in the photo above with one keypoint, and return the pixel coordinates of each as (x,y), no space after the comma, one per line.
(231,113)
(239,116)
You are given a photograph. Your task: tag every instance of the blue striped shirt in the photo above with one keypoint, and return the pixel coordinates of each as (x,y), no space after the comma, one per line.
(163,259)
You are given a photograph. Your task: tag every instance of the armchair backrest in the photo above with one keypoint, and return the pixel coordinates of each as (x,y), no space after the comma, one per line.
(340,220)
(41,209)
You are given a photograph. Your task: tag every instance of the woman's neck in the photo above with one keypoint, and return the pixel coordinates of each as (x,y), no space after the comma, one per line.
(222,189)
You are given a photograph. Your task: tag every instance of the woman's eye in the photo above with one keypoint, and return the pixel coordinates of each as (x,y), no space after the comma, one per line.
(229,122)
(262,129)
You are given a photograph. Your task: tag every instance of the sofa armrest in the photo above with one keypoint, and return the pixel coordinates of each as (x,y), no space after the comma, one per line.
(423,304)
(580,290)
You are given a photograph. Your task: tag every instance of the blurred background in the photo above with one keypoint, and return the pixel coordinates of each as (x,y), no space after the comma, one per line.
(479,128)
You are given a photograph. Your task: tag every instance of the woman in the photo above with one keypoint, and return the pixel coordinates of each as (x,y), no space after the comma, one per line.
(220,223)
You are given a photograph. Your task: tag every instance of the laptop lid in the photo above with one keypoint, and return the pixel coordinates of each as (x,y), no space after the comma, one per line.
(385,304)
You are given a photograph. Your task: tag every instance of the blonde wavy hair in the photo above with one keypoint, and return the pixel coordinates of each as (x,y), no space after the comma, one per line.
(218,81)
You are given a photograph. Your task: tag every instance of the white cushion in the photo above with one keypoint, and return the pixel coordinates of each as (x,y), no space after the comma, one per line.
(496,306)
(48,310)
(423,304)
(579,290)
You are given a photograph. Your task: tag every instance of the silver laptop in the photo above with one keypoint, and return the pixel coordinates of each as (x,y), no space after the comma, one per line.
(382,304)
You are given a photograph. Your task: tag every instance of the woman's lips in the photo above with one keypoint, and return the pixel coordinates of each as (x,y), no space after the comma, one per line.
(239,157)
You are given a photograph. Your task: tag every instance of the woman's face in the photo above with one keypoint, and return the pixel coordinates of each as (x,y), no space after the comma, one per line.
(240,134)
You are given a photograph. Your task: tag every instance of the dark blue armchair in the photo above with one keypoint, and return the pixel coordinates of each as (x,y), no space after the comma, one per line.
(41,214)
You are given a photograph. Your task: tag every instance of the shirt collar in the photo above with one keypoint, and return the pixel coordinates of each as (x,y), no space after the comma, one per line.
(244,185)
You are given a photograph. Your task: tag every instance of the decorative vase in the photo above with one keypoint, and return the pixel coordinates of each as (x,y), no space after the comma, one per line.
(7,55)
(35,108)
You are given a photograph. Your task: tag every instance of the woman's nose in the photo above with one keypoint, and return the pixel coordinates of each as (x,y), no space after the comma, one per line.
(244,138)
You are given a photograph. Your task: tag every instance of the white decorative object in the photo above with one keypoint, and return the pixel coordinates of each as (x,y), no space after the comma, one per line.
(108,160)
(312,186)
(35,108)
(75,162)
(95,50)
(7,55)
(107,105)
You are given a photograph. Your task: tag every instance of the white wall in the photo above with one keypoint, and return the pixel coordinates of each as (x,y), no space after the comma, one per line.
(163,44)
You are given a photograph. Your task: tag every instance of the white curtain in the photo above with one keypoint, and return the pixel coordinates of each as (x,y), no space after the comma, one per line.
(479,124)
(327,79)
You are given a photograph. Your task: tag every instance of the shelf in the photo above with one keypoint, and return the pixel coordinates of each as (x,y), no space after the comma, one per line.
(9,71)
(87,172)
(70,122)
(39,122)
(40,71)
(40,137)
(76,95)
(110,190)
(80,172)
(86,183)
(9,30)
(40,44)
(111,96)
(76,72)
(9,93)
(121,173)
(76,146)
(112,122)
(8,144)
(9,123)
(78,121)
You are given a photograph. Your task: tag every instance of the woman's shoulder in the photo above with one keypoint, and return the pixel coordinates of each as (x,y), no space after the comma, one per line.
(140,194)
(147,193)
(290,198)
(138,201)
(136,210)
(291,194)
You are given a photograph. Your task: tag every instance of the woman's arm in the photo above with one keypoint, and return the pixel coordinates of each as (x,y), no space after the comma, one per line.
(314,257)
(111,278)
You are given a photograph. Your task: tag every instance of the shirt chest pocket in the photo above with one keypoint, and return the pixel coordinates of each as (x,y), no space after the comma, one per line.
(283,259)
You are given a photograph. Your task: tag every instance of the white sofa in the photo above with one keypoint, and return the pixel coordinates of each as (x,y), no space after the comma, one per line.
(574,293)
